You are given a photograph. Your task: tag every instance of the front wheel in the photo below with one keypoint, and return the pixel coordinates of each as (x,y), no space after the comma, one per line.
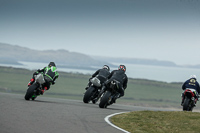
(89,94)
(30,92)
(104,100)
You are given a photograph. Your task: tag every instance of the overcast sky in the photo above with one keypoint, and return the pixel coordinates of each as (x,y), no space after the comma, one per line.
(153,29)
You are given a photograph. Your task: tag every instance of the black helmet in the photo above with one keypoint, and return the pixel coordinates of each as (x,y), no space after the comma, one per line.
(52,64)
(122,67)
(106,67)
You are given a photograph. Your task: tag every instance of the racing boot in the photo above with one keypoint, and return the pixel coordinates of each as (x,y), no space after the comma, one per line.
(31,82)
(95,100)
(43,90)
(182,101)
(115,98)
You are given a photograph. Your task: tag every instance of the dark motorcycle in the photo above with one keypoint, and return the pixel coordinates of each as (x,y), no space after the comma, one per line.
(93,92)
(34,90)
(189,99)
(110,94)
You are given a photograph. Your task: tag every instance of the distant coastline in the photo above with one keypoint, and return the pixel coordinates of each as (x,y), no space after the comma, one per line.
(148,62)
(13,54)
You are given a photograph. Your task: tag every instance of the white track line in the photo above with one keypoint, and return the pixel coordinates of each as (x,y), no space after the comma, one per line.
(107,120)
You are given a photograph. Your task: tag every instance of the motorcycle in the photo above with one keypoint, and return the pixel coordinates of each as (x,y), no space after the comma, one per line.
(189,99)
(94,91)
(110,94)
(35,89)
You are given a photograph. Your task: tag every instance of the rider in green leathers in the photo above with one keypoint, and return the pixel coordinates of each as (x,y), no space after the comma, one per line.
(50,72)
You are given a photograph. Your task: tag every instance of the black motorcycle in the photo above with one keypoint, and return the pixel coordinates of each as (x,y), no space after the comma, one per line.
(189,99)
(35,89)
(110,95)
(93,92)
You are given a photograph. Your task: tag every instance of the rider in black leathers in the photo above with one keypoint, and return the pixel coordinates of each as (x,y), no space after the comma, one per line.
(191,83)
(101,74)
(120,76)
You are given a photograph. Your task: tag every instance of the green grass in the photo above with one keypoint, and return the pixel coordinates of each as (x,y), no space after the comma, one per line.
(139,92)
(158,122)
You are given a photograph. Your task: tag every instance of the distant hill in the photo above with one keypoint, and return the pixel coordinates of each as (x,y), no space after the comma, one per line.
(138,61)
(11,54)
(152,62)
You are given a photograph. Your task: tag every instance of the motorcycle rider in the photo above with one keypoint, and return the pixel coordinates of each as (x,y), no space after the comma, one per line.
(120,76)
(49,71)
(101,74)
(191,83)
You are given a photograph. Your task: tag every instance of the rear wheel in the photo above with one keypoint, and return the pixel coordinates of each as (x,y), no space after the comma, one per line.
(89,94)
(186,104)
(104,100)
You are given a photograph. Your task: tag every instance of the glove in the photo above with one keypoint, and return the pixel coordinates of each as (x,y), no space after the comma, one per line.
(90,79)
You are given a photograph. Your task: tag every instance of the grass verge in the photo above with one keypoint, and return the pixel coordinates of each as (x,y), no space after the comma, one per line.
(158,122)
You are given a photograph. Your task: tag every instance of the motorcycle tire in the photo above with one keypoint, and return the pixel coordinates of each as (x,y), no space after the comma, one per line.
(104,100)
(89,94)
(30,92)
(186,104)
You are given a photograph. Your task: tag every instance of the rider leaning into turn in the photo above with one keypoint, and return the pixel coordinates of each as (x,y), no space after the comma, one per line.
(120,76)
(49,71)
(191,83)
(101,74)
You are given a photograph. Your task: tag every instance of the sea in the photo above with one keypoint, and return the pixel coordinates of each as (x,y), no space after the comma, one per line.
(157,73)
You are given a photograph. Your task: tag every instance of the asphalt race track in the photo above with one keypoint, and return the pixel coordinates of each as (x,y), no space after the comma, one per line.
(52,115)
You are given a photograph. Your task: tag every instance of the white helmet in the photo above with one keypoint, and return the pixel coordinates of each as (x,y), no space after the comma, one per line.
(193,76)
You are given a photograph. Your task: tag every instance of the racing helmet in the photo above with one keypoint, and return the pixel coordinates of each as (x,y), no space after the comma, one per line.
(122,67)
(52,64)
(106,67)
(193,77)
